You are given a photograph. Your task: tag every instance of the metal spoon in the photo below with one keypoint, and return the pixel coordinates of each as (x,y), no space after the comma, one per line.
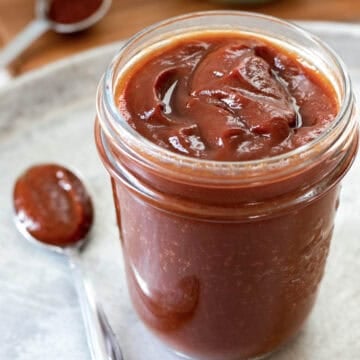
(43,23)
(101,339)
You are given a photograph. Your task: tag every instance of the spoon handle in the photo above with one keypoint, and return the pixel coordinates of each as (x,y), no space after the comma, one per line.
(22,41)
(101,339)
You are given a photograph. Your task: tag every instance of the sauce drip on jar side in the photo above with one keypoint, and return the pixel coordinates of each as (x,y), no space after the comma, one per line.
(53,205)
(72,11)
(226,97)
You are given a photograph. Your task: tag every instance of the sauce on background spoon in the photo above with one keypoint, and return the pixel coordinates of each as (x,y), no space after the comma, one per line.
(72,11)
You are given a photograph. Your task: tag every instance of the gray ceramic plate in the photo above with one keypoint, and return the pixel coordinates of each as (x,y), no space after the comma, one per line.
(48,116)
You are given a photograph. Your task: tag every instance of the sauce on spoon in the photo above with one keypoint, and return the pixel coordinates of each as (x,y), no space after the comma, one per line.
(53,205)
(72,11)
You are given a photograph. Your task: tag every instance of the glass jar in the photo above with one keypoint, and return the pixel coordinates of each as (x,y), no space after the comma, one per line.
(224,259)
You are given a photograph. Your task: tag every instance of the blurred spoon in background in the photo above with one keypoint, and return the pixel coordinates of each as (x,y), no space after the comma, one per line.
(61,16)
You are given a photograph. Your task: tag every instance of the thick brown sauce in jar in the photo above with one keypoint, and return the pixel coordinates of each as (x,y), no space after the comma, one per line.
(226,97)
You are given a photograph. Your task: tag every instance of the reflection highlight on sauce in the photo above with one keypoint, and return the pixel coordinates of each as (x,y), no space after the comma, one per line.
(170,309)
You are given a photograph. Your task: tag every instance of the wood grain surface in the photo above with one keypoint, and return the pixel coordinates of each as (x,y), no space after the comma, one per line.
(128,16)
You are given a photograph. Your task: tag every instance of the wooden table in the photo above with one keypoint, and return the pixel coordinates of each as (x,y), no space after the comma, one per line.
(128,16)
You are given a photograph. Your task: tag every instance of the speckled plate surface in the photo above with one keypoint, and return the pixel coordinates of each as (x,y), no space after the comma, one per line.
(48,116)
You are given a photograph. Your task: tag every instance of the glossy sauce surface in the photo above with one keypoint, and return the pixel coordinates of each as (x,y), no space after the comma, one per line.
(226,97)
(53,205)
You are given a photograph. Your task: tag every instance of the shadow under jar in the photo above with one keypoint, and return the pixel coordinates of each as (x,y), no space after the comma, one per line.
(224,258)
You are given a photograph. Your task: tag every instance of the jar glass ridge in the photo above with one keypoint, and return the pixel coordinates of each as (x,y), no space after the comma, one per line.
(217,208)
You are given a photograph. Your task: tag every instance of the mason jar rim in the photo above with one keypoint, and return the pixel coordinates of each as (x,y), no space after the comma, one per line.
(107,85)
